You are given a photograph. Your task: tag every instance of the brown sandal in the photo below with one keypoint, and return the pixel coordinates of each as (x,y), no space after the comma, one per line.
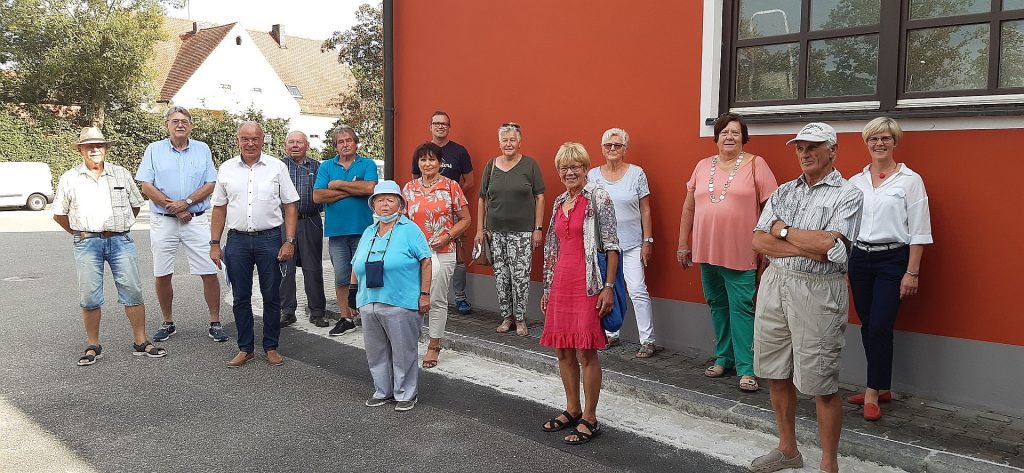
(522,329)
(428,363)
(505,326)
(647,350)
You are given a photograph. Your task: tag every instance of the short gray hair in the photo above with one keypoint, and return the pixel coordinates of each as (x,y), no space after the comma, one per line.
(177,109)
(509,128)
(249,122)
(616,132)
(343,129)
(300,132)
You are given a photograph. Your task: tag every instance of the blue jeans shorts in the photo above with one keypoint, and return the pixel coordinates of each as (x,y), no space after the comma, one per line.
(119,252)
(341,248)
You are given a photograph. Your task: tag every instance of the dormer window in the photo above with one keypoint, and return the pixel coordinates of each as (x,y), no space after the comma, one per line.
(294,90)
(225,87)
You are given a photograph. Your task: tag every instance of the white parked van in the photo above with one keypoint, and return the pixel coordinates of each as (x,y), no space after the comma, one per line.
(27,185)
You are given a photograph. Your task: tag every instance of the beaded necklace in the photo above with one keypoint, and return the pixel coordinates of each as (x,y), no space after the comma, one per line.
(725,188)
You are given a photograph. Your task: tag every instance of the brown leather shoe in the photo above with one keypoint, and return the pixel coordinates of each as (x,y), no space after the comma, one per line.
(240,359)
(275,358)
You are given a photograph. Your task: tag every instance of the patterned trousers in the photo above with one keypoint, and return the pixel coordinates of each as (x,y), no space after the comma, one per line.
(513,254)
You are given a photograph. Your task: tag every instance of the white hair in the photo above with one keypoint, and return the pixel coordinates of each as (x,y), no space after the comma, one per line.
(616,132)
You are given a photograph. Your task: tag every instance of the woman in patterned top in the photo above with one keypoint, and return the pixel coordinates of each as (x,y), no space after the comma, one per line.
(575,295)
(437,205)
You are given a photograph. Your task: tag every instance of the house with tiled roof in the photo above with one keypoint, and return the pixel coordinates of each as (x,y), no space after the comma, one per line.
(226,67)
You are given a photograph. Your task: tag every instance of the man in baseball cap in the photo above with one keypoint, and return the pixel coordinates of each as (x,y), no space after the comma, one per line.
(97,203)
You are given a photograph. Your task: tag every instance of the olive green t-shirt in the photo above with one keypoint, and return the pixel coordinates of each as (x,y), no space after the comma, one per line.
(511,196)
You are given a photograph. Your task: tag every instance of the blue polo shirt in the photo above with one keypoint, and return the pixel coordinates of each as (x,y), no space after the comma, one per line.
(177,173)
(350,215)
(402,259)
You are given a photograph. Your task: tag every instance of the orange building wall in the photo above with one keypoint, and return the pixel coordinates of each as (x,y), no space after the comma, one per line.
(567,70)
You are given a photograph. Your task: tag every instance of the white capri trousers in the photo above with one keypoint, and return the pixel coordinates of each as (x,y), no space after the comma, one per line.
(442,266)
(636,287)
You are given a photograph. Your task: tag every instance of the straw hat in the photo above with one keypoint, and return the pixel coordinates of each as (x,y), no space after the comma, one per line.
(90,135)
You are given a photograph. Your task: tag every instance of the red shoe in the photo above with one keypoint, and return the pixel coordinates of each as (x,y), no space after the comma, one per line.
(858,399)
(872,411)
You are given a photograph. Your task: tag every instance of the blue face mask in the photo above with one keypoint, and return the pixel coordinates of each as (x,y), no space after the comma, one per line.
(377,218)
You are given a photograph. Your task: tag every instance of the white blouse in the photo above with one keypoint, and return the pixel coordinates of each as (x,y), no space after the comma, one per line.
(896,211)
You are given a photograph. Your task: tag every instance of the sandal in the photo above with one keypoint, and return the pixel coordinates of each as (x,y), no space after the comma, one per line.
(557,424)
(147,348)
(749,384)
(431,363)
(714,371)
(522,329)
(611,342)
(583,437)
(88,359)
(505,326)
(647,350)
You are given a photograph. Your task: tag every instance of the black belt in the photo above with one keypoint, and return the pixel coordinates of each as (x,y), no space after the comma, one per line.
(84,235)
(194,214)
(255,233)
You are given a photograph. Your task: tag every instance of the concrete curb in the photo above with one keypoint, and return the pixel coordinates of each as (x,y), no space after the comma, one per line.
(854,443)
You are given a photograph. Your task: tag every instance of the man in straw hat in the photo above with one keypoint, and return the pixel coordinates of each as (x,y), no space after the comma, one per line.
(97,203)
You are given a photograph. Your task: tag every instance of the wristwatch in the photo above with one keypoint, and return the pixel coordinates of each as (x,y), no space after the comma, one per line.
(291,240)
(609,285)
(214,242)
(784,232)
(189,201)
(649,240)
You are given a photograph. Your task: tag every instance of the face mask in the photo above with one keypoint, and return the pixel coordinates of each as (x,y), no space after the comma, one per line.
(385,218)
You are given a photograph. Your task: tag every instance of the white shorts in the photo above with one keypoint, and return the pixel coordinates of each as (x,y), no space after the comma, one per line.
(166,234)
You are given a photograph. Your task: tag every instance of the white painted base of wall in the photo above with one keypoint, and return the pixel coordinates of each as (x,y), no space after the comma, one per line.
(967,373)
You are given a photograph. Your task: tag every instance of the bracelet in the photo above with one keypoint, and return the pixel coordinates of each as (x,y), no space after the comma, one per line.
(424,293)
(682,252)
(913,274)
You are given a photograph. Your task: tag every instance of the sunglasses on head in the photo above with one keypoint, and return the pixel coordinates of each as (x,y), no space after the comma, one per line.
(510,124)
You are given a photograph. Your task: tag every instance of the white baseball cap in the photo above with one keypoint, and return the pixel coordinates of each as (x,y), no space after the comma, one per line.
(816,132)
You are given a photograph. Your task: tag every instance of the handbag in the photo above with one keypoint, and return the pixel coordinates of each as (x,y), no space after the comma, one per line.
(612,322)
(482,254)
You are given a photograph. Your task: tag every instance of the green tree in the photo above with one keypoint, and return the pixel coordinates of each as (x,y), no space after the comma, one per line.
(90,53)
(362,106)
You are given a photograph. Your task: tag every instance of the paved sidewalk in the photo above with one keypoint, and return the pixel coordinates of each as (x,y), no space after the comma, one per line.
(914,434)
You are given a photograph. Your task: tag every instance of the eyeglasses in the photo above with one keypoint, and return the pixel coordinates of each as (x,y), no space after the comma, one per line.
(613,146)
(440,124)
(510,125)
(881,139)
(177,122)
(575,168)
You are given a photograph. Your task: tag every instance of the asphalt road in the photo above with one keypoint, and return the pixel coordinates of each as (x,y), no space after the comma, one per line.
(188,412)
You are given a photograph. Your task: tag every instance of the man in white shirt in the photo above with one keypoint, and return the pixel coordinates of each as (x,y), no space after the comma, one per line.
(97,202)
(251,191)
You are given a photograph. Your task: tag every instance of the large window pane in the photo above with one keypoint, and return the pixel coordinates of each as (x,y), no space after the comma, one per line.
(938,8)
(760,18)
(836,14)
(947,58)
(767,72)
(1013,4)
(843,66)
(1011,61)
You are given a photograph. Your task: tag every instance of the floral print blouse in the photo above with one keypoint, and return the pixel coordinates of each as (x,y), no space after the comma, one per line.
(598,235)
(434,209)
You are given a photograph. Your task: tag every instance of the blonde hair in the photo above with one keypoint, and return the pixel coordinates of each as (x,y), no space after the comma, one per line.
(882,125)
(571,152)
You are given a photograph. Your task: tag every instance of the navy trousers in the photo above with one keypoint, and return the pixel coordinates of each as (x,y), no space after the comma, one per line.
(241,254)
(875,280)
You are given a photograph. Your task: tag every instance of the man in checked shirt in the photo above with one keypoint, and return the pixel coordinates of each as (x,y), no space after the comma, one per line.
(310,236)
(805,231)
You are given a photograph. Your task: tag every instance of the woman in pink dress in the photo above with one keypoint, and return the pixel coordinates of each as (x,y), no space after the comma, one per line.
(576,296)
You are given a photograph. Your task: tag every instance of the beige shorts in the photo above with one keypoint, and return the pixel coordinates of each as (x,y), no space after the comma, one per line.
(799,322)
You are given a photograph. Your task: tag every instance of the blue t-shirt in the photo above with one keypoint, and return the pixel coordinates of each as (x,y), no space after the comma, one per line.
(402,259)
(177,173)
(351,215)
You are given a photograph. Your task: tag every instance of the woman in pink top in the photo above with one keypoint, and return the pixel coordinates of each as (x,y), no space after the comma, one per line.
(723,202)
(439,207)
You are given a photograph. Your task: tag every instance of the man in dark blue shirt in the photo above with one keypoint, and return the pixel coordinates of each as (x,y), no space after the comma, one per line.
(457,166)
(309,233)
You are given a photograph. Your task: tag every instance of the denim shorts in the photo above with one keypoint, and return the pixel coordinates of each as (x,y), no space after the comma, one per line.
(119,252)
(341,248)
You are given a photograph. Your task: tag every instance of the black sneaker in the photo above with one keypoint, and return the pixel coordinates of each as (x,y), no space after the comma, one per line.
(288,319)
(403,406)
(166,330)
(319,322)
(377,402)
(341,327)
(217,333)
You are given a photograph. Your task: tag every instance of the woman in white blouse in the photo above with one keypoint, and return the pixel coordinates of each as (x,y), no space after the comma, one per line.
(886,260)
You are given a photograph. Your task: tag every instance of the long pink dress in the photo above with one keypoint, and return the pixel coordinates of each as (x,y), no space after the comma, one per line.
(572,319)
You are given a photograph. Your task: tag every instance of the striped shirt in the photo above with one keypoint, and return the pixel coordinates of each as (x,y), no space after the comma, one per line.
(98,204)
(303,175)
(833,204)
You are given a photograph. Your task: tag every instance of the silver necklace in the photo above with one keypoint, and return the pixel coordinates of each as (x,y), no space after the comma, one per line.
(725,188)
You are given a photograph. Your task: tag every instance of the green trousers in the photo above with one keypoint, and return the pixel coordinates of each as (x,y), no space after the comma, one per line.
(730,294)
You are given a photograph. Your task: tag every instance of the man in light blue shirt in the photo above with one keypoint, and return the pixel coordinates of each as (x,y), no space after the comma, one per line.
(344,184)
(177,175)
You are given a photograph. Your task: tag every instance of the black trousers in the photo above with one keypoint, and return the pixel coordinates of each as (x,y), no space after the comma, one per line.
(309,250)
(875,279)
